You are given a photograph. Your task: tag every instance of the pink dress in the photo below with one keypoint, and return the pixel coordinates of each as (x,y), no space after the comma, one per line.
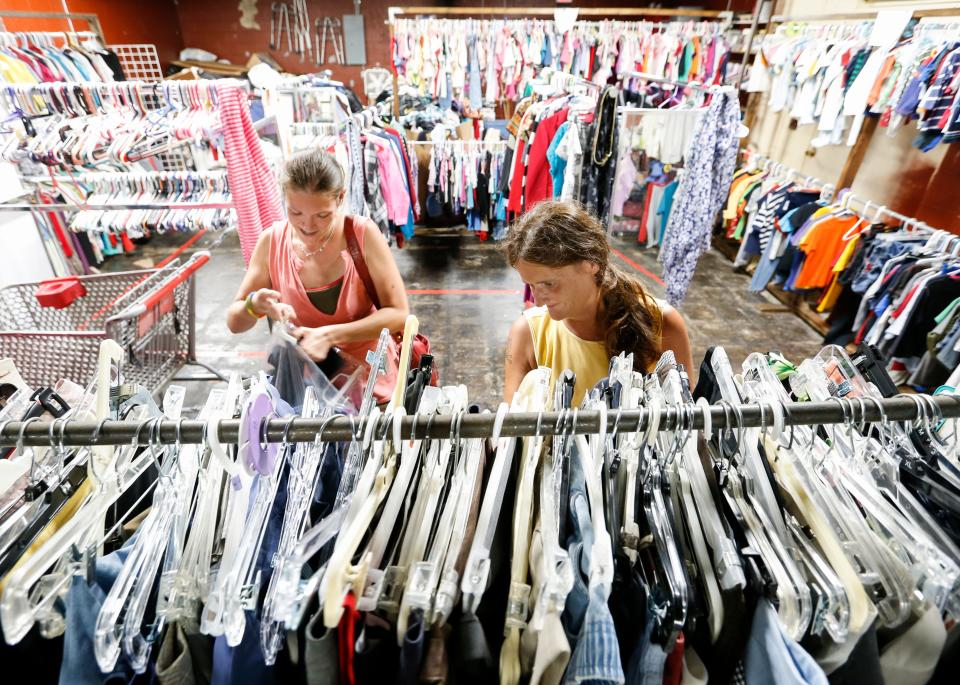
(354,303)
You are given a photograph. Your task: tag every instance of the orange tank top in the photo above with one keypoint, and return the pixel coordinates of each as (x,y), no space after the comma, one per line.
(354,302)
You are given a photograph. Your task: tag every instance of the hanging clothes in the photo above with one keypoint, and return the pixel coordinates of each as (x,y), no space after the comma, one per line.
(252,182)
(701,193)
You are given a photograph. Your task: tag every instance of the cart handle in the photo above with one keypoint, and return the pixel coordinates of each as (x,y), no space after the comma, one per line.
(155,297)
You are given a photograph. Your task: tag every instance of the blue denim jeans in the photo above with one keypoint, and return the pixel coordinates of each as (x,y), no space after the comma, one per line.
(595,655)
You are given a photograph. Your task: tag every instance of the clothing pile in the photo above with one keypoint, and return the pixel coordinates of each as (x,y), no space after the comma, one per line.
(835,81)
(484,62)
(464,177)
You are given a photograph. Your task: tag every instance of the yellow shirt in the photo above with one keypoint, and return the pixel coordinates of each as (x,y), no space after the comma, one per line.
(557,347)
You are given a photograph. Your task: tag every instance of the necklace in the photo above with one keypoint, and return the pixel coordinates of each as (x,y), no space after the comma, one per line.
(308,255)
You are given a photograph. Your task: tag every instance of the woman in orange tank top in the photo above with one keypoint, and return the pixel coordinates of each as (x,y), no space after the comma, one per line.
(588,310)
(301,271)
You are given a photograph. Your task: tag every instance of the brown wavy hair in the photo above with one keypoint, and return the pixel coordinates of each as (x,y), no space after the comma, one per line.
(558,233)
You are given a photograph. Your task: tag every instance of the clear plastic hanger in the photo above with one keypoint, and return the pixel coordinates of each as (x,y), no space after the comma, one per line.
(293,594)
(113,475)
(752,459)
(306,463)
(241,580)
(704,528)
(672,612)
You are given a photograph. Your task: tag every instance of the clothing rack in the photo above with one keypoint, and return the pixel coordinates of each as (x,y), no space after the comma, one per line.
(33,35)
(464,143)
(23,207)
(394,12)
(93,21)
(848,199)
(728,417)
(94,176)
(868,16)
(680,84)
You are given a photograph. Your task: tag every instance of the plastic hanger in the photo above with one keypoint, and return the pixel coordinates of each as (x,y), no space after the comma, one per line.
(532,395)
(241,579)
(409,459)
(293,594)
(306,463)
(341,575)
(418,563)
(19,607)
(764,493)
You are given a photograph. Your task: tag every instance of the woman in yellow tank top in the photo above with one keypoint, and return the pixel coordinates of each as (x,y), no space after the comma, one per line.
(588,310)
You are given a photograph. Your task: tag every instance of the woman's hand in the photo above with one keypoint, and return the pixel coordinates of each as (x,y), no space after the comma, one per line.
(267,302)
(316,342)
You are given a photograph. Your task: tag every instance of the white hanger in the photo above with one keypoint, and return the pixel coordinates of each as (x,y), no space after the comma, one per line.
(18,606)
(477,570)
(341,576)
(416,563)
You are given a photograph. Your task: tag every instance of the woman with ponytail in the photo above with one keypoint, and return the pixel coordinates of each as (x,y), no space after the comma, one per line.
(588,310)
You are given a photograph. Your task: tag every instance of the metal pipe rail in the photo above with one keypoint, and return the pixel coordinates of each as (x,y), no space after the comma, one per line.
(733,417)
(57,206)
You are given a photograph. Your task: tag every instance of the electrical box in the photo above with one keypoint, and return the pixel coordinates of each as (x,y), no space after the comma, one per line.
(354,43)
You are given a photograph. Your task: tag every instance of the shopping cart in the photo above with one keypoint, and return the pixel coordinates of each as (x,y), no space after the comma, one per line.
(149,313)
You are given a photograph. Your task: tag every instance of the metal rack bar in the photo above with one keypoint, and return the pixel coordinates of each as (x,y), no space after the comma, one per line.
(496,143)
(125,175)
(849,196)
(869,16)
(145,205)
(93,21)
(693,85)
(393,12)
(733,417)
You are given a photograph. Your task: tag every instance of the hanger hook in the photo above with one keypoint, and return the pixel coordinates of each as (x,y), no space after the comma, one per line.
(286,430)
(413,429)
(323,427)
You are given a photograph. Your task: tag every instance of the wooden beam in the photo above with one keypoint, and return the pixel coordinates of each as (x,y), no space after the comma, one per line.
(393,73)
(838,16)
(857,153)
(549,11)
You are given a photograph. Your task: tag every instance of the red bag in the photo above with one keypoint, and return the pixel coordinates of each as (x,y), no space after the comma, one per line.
(421,344)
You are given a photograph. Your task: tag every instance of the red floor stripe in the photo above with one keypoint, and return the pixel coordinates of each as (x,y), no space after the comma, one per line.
(651,276)
(463,292)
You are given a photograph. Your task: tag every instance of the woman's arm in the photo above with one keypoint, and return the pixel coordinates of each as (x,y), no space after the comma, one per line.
(520,358)
(675,338)
(257,280)
(393,304)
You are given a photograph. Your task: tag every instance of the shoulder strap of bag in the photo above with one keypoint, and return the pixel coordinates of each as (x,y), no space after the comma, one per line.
(353,247)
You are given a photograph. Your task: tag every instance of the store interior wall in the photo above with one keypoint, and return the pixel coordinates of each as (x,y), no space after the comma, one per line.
(893,172)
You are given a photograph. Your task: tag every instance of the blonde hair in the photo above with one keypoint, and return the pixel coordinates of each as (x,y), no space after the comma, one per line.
(556,233)
(313,171)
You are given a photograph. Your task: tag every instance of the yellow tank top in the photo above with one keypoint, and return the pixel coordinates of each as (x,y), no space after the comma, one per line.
(558,347)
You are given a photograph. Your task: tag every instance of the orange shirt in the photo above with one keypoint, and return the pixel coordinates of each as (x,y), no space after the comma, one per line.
(823,245)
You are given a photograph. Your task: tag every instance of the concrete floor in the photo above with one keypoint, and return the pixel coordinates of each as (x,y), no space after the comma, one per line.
(466,297)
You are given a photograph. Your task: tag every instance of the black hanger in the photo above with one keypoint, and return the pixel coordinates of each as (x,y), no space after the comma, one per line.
(563,399)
